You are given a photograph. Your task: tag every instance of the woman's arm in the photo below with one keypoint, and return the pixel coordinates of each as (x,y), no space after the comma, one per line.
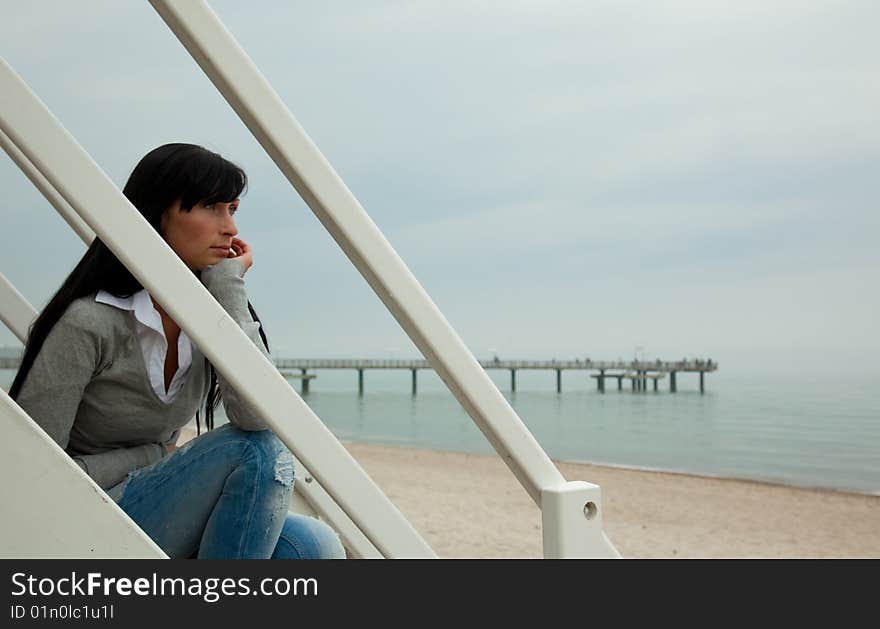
(111,467)
(53,389)
(225,282)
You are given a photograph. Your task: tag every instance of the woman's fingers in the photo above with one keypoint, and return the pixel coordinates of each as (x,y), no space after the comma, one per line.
(243,252)
(238,247)
(238,242)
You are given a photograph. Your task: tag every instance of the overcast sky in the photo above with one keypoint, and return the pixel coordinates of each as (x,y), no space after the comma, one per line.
(564,178)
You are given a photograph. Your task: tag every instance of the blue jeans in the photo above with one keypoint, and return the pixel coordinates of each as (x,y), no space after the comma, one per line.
(225,495)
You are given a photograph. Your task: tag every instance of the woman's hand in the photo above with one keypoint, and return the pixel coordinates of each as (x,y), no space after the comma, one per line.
(243,252)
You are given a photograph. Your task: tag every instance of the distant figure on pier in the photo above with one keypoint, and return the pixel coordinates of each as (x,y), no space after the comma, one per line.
(495,359)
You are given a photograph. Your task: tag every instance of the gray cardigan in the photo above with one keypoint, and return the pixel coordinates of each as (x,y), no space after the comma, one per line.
(89,389)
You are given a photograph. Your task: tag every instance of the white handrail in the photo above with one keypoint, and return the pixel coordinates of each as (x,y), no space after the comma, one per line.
(67,213)
(258,105)
(16,312)
(244,87)
(564,504)
(309,497)
(18,315)
(72,172)
(92,526)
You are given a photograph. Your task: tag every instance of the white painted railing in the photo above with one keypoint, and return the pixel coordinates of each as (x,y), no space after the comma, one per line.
(309,497)
(571,510)
(70,171)
(51,508)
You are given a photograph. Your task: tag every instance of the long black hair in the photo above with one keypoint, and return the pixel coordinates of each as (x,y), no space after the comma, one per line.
(187,172)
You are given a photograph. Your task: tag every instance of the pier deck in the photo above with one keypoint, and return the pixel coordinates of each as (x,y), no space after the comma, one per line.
(638,372)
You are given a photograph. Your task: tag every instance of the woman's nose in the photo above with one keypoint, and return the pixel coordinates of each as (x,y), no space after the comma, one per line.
(229,225)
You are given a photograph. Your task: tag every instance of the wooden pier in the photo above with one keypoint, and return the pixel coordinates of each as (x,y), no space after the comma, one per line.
(639,373)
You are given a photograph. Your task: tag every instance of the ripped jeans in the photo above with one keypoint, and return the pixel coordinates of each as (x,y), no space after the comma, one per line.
(225,495)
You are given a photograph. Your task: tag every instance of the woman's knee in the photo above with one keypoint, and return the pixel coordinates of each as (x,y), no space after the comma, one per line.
(267,448)
(304,537)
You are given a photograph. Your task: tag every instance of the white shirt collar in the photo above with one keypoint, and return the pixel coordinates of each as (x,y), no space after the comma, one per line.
(124,303)
(151,338)
(140,303)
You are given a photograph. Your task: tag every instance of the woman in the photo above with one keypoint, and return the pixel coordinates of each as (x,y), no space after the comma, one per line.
(112,379)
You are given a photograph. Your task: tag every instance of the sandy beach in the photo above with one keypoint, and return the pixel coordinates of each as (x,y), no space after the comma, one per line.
(471,506)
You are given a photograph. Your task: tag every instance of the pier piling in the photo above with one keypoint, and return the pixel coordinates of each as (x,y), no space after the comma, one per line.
(304,388)
(559,380)
(360,381)
(414,381)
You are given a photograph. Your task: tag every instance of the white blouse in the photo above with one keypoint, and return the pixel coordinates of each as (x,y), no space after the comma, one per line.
(154,345)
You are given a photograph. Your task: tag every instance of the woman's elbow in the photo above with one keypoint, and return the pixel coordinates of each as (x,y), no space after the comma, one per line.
(250,422)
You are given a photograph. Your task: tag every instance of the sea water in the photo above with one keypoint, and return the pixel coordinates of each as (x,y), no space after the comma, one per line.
(809,430)
(795,432)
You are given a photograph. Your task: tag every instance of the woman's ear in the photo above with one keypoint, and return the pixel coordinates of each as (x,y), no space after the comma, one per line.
(163,221)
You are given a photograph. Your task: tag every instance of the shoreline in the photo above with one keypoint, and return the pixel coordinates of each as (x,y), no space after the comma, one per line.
(759,481)
(621,466)
(470,505)
(639,468)
(647,514)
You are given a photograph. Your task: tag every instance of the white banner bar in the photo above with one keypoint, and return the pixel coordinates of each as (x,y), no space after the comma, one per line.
(51,508)
(79,180)
(16,312)
(262,110)
(67,213)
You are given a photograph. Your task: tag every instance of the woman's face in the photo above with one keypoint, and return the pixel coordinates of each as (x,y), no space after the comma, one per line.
(202,236)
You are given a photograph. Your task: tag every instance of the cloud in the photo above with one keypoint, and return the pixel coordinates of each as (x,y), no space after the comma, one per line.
(714,161)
